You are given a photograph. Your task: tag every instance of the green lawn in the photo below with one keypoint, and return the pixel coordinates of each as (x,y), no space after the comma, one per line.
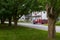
(23,33)
(58,23)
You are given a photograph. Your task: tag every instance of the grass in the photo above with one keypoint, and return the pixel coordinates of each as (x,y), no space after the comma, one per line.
(58,23)
(26,21)
(45,24)
(23,33)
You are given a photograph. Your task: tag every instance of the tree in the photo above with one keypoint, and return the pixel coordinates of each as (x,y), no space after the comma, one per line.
(53,8)
(5,10)
(2,10)
(18,6)
(9,9)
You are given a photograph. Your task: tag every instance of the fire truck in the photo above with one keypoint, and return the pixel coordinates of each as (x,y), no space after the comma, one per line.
(40,21)
(40,17)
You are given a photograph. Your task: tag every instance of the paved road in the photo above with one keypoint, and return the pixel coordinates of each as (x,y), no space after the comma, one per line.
(37,26)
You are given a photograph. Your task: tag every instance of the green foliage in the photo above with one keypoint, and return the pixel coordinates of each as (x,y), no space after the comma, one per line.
(56,5)
(8,8)
(36,5)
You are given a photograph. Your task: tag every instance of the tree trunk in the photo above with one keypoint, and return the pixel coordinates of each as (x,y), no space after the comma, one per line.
(2,21)
(15,21)
(51,29)
(51,22)
(9,21)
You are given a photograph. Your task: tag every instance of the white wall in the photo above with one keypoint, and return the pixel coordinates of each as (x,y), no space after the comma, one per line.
(43,14)
(22,18)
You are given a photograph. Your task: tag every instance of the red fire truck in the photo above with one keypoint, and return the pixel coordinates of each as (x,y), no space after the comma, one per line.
(40,21)
(40,17)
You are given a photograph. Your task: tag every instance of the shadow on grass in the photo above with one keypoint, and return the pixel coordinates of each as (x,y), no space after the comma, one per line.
(7,27)
(12,27)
